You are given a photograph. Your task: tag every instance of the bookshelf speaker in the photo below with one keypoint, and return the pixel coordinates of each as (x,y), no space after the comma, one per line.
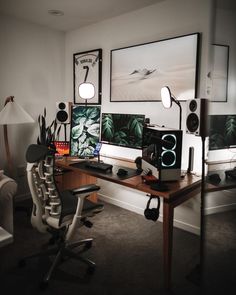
(63,112)
(196,116)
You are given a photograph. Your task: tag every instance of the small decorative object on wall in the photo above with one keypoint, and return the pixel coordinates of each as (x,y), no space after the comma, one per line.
(220,73)
(139,72)
(85,128)
(88,68)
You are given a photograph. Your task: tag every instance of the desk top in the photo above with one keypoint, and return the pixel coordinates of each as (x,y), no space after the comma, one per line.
(185,185)
(224,184)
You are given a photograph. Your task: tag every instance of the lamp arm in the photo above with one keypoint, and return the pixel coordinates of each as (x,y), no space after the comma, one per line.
(6,142)
(8,154)
(180,116)
(180,110)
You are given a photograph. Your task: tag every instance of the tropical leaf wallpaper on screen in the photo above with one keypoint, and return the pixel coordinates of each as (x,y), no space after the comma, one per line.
(122,129)
(85,129)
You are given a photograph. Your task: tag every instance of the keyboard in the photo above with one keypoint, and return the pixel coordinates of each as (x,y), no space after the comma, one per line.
(98,166)
(231,173)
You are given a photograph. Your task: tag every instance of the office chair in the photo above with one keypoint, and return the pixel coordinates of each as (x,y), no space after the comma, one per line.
(59,213)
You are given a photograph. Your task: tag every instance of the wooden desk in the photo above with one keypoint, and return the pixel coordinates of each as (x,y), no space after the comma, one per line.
(179,192)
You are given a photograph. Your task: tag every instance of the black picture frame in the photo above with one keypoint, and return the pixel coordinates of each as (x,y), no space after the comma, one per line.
(87,67)
(138,72)
(220,72)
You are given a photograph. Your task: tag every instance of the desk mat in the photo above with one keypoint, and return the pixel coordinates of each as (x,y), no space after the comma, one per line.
(113,174)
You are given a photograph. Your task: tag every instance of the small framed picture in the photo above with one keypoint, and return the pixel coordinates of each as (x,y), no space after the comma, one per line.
(220,73)
(87,67)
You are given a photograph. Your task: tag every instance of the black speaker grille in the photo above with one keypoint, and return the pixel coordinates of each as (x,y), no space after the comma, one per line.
(193,105)
(62,116)
(62,106)
(192,122)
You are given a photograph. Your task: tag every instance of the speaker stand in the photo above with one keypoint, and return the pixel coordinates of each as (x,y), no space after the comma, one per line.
(65,131)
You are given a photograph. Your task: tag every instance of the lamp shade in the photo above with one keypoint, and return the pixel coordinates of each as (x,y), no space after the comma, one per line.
(166,97)
(13,113)
(86,90)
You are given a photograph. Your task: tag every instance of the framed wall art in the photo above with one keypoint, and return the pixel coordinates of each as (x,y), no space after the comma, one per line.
(87,67)
(220,73)
(139,72)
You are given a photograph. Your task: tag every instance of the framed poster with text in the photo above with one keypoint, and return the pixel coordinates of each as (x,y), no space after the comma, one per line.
(87,67)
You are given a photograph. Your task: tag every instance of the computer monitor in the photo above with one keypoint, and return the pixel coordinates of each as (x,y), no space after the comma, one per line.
(124,130)
(222,132)
(85,129)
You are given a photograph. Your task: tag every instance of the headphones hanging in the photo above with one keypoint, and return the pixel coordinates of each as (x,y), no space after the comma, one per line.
(153,213)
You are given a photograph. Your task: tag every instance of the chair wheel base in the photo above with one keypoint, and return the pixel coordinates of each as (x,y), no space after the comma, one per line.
(91,270)
(43,285)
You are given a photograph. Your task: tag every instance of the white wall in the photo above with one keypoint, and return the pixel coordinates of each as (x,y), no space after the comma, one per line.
(32,62)
(163,20)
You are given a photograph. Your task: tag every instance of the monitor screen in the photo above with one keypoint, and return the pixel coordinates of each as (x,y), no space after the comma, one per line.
(124,130)
(222,132)
(85,129)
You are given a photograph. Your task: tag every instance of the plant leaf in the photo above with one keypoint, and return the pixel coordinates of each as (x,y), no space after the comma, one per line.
(77,131)
(94,130)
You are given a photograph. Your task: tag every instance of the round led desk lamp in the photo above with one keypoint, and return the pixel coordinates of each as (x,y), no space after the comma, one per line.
(167,98)
(86,91)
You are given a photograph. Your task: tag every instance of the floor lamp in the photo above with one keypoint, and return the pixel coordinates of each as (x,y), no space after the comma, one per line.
(12,113)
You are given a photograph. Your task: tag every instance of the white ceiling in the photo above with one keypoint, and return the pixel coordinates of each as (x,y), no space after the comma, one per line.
(77,13)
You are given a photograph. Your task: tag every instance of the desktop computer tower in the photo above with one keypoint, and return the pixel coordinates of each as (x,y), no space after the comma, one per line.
(162,147)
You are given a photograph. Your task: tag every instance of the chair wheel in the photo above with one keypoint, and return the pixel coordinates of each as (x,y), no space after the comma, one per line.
(91,270)
(43,285)
(22,263)
(88,245)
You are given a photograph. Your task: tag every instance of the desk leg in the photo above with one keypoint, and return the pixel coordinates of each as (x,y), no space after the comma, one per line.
(168,216)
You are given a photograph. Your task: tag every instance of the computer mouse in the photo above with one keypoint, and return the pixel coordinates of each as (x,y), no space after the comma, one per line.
(122,172)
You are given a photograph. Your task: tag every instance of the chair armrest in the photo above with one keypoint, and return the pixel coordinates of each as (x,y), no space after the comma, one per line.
(88,188)
(8,188)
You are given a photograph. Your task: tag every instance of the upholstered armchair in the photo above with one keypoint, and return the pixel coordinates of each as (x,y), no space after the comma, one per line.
(8,189)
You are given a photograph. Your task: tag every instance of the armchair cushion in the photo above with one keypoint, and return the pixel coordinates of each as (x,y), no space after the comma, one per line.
(8,189)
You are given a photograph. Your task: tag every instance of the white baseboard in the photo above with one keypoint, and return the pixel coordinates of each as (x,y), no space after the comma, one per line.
(177,223)
(220,209)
